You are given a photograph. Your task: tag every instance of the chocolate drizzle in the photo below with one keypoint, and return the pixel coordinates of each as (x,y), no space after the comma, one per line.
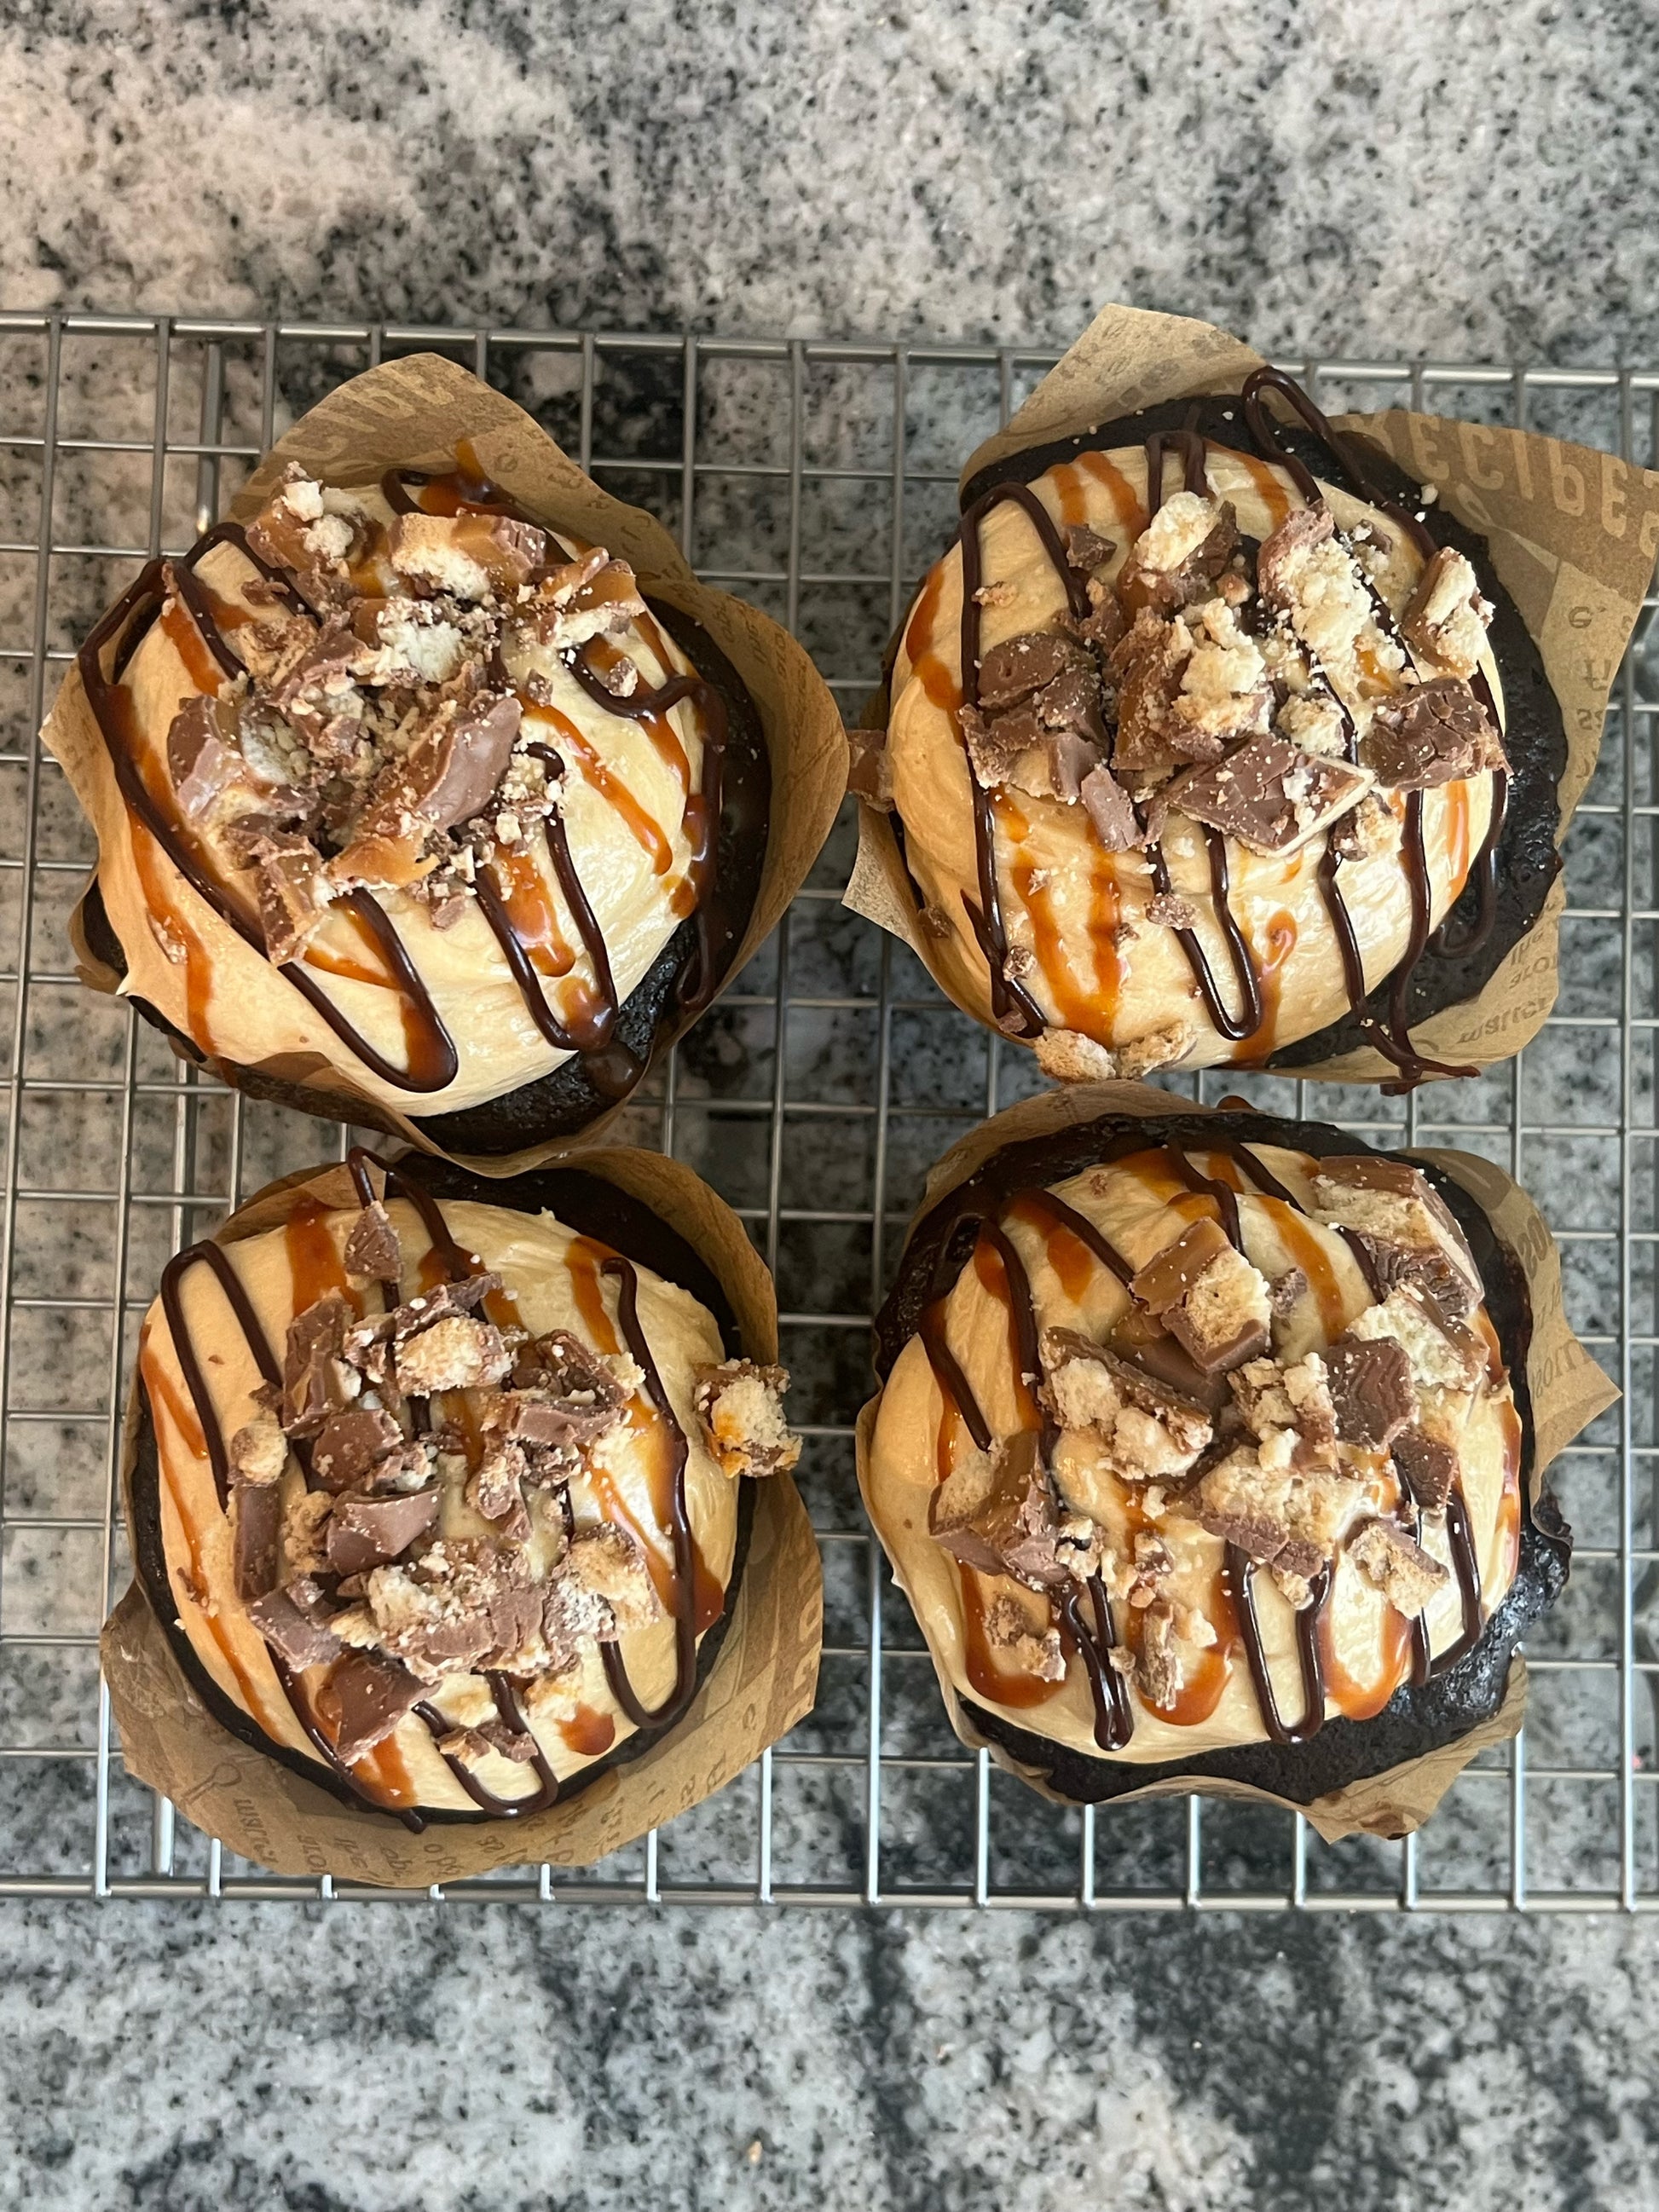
(433,1062)
(686,1622)
(1238,1576)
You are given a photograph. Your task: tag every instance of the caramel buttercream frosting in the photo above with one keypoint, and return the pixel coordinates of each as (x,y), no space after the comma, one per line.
(446,1503)
(1191,750)
(1187,1443)
(423,806)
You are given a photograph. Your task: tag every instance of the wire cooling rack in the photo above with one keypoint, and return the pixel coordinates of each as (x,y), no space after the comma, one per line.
(817,480)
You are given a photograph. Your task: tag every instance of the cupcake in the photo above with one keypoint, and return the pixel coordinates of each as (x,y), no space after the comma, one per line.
(417,810)
(443,1502)
(1208,742)
(1204,1450)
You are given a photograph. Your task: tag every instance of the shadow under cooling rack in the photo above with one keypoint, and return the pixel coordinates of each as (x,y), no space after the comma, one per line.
(817,480)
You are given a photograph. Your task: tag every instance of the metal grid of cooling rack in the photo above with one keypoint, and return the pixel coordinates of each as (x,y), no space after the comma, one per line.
(817,479)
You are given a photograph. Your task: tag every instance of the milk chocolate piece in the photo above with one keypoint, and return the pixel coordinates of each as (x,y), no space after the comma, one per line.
(202,761)
(293,1621)
(1029,1650)
(1398,1566)
(316,1380)
(453,552)
(1427,1465)
(1149,1429)
(997,1513)
(371,1249)
(1158,1664)
(740,1406)
(564,1396)
(348,1444)
(1086,548)
(1108,809)
(1350,1185)
(1372,1388)
(1446,619)
(365,1532)
(1303,528)
(1428,1272)
(1071,702)
(1431,733)
(1018,666)
(453,774)
(459,1353)
(870,769)
(1268,795)
(1167,589)
(370,1695)
(290,890)
(256,1513)
(1169,1275)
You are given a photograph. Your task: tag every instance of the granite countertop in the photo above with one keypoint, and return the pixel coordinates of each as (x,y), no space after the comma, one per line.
(1457,182)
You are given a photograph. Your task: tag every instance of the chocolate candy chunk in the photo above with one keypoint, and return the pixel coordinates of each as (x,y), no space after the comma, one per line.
(1169,1275)
(1028,1649)
(1446,619)
(870,769)
(1281,552)
(740,1406)
(316,1379)
(1178,557)
(294,1621)
(289,887)
(1268,795)
(1388,1200)
(349,1444)
(256,1513)
(454,774)
(996,1513)
(1086,548)
(1109,811)
(1426,1271)
(366,1532)
(600,1589)
(1427,1466)
(365,1698)
(563,1394)
(1372,1388)
(1148,1430)
(1398,1566)
(1432,733)
(201,760)
(1068,761)
(1071,702)
(468,556)
(1018,666)
(459,1353)
(372,1248)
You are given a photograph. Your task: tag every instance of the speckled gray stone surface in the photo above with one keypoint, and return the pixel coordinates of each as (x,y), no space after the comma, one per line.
(1455,180)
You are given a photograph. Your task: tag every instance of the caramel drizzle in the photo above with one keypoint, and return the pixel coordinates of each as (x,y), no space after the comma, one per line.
(685,1626)
(1393,1040)
(434,1061)
(613,1069)
(1238,1573)
(213,1257)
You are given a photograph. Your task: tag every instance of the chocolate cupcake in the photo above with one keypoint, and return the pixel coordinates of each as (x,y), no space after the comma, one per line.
(442,1494)
(1205,1450)
(1208,741)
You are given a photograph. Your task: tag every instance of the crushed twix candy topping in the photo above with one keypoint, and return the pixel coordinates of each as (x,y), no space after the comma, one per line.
(412,1505)
(375,739)
(1314,1419)
(740,1406)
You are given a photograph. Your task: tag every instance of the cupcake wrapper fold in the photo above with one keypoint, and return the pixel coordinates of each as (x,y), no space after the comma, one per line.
(1567,1391)
(1571,533)
(762,1680)
(411,414)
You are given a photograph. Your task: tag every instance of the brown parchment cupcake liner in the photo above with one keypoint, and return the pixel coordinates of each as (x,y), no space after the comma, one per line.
(761,1681)
(1571,534)
(412,414)
(1560,1390)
